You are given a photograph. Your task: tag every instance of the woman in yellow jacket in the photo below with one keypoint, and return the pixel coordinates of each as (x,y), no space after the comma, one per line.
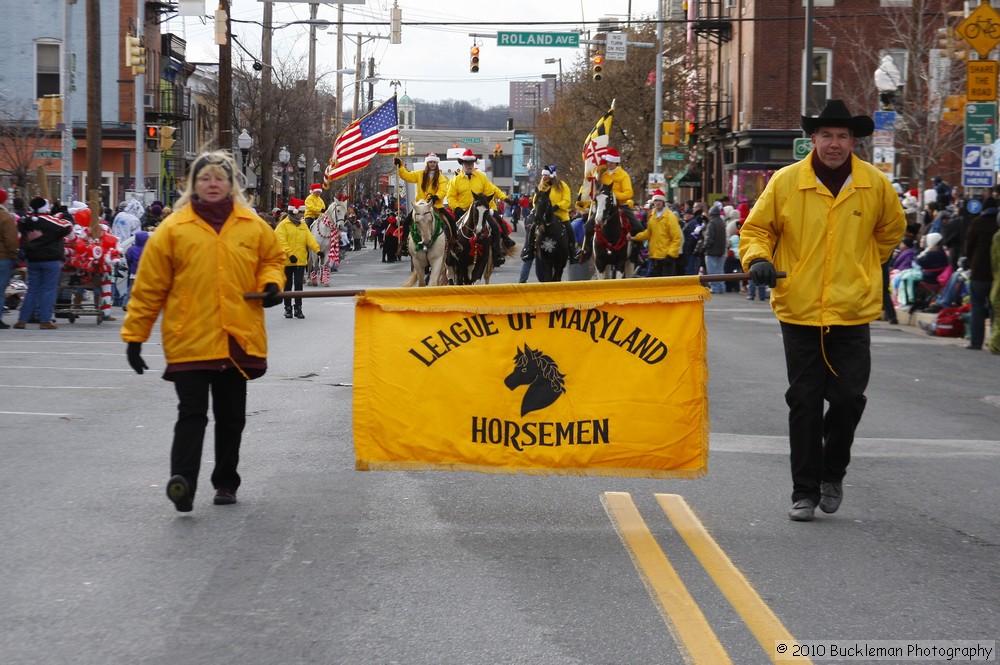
(432,185)
(663,232)
(195,269)
(296,239)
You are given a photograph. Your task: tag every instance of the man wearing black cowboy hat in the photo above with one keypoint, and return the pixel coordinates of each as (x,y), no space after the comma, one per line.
(829,222)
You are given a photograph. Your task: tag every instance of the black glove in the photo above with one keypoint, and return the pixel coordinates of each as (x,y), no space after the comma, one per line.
(763,273)
(271,299)
(133,353)
(397,161)
(293,259)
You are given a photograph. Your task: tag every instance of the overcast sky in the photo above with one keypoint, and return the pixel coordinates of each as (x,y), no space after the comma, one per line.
(432,62)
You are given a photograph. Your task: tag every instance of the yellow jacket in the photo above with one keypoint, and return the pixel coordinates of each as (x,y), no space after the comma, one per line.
(831,248)
(560,197)
(197,278)
(663,232)
(461,189)
(621,185)
(417,177)
(296,240)
(314,205)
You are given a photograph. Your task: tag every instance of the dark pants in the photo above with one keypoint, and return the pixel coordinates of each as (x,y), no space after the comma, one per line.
(662,267)
(229,400)
(294,278)
(821,444)
(980,311)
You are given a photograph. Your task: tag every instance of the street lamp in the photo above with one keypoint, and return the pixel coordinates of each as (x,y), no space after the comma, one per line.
(283,157)
(244,141)
(302,174)
(552,61)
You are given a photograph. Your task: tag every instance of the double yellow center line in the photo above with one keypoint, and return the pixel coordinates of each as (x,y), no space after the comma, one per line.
(691,631)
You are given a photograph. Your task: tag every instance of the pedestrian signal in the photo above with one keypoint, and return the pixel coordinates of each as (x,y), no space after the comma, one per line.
(474,59)
(690,129)
(152,137)
(598,67)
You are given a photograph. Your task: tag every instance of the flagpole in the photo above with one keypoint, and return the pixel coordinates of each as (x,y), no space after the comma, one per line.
(347,293)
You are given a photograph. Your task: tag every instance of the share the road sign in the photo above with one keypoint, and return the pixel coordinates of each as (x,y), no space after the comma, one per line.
(569,39)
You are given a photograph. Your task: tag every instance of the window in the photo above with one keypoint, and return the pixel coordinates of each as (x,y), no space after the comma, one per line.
(47,69)
(818,88)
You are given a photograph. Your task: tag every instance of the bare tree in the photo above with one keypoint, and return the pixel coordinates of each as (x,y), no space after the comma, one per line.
(20,139)
(925,140)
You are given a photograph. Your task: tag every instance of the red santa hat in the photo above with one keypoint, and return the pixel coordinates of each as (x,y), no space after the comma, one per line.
(658,195)
(612,156)
(315,187)
(467,156)
(431,157)
(3,196)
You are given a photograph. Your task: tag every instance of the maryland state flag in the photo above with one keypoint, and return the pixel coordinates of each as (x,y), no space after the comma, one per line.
(594,149)
(605,378)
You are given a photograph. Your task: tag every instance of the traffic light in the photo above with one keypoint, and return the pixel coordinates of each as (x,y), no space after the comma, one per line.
(152,137)
(690,129)
(135,55)
(671,133)
(474,59)
(166,137)
(954,47)
(598,67)
(498,151)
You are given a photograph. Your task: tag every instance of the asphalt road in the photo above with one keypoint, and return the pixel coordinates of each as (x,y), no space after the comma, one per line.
(321,564)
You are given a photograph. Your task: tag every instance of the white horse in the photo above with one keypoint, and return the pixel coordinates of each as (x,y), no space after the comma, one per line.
(325,228)
(428,244)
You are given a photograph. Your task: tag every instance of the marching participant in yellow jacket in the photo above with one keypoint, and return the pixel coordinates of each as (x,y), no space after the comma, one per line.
(296,240)
(663,232)
(829,221)
(195,269)
(469,183)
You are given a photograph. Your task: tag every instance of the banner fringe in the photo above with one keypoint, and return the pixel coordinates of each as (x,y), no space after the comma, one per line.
(684,474)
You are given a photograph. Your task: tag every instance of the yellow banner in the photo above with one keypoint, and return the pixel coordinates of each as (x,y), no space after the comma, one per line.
(605,378)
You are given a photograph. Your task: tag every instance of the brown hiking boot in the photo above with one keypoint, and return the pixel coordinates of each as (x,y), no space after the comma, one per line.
(48,325)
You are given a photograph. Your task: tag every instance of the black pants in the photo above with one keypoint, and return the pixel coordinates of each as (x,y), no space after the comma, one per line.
(821,444)
(662,267)
(294,277)
(229,400)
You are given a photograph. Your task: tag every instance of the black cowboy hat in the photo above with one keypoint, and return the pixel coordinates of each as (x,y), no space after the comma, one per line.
(835,114)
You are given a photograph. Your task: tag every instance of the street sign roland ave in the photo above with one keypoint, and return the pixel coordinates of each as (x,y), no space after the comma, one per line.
(981,80)
(569,39)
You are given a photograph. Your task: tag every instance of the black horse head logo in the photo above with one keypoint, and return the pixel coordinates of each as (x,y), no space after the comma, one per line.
(542,376)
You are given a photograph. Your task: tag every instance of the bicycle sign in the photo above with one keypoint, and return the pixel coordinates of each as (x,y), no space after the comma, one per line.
(981,29)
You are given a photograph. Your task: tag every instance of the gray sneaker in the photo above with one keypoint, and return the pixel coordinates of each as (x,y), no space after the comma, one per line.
(831,494)
(803,510)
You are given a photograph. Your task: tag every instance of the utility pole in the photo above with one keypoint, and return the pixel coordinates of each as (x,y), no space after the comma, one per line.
(312,137)
(267,125)
(94,136)
(340,69)
(658,123)
(140,108)
(67,110)
(225,80)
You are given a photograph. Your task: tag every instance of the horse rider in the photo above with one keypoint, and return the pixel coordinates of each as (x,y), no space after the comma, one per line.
(621,186)
(464,186)
(561,200)
(432,185)
(314,203)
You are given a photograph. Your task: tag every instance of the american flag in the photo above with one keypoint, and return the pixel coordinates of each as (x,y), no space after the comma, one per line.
(375,133)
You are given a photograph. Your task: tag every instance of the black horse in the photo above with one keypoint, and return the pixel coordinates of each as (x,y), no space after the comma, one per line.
(607,231)
(473,237)
(542,376)
(549,239)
